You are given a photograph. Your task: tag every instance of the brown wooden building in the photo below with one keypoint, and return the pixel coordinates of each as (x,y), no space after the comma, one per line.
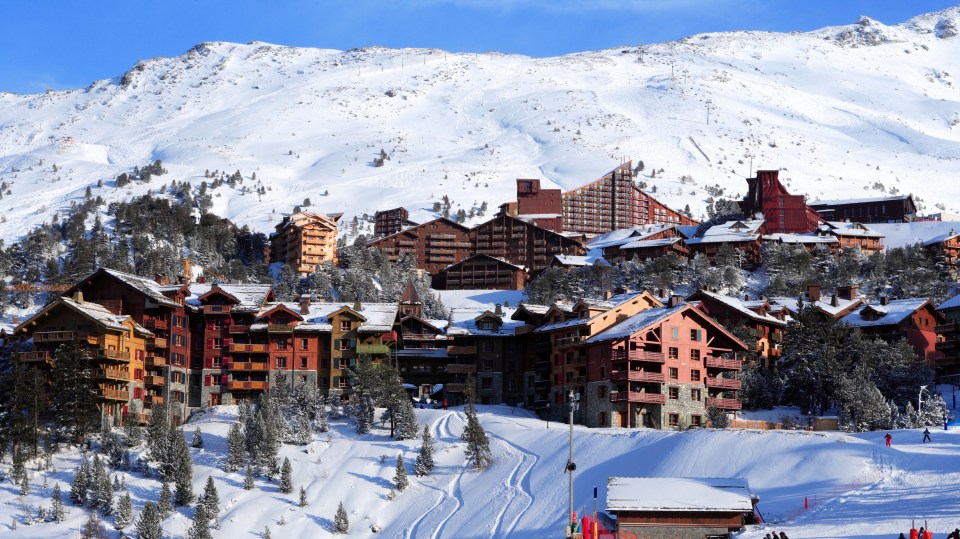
(946,247)
(890,209)
(434,245)
(305,240)
(853,235)
(389,222)
(764,323)
(521,243)
(481,272)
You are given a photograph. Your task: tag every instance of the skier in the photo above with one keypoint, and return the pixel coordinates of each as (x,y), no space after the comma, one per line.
(926,436)
(444,404)
(888,437)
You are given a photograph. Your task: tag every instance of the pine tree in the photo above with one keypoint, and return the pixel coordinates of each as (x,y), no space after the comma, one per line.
(235,449)
(424,463)
(407,422)
(148,523)
(197,442)
(124,513)
(211,498)
(320,422)
(73,402)
(25,485)
(78,488)
(286,477)
(200,529)
(341,524)
(56,504)
(478,445)
(103,488)
(303,496)
(165,507)
(364,410)
(268,443)
(183,472)
(248,479)
(266,533)
(91,528)
(400,480)
(302,435)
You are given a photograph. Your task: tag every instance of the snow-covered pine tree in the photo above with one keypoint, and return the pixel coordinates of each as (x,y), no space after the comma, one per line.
(363,414)
(197,442)
(211,498)
(235,449)
(24,484)
(91,528)
(80,484)
(158,436)
(56,504)
(266,533)
(407,421)
(133,434)
(124,512)
(424,463)
(165,506)
(400,480)
(478,445)
(248,478)
(302,434)
(148,523)
(200,529)
(320,420)
(303,496)
(268,442)
(183,471)
(286,477)
(103,488)
(341,524)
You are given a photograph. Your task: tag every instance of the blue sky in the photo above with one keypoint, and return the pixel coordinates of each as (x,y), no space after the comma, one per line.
(63,44)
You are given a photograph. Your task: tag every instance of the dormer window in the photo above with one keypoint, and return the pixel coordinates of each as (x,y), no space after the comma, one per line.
(487,325)
(344,325)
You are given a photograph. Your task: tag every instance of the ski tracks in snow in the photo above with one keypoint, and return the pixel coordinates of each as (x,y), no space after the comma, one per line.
(518,488)
(449,499)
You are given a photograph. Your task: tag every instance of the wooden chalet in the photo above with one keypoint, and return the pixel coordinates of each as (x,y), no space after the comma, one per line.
(389,222)
(486,339)
(948,338)
(842,302)
(305,240)
(853,235)
(764,323)
(742,236)
(434,245)
(521,243)
(534,352)
(661,368)
(481,272)
(680,507)
(946,247)
(889,209)
(913,319)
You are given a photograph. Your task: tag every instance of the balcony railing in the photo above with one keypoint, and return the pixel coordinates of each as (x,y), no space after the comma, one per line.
(113,394)
(60,336)
(154,361)
(156,323)
(237,385)
(724,404)
(461,368)
(637,355)
(462,350)
(111,374)
(153,400)
(113,355)
(154,380)
(637,396)
(29,357)
(156,342)
(236,348)
(947,327)
(238,328)
(280,328)
(947,345)
(249,366)
(373,349)
(723,383)
(217,309)
(720,363)
(567,341)
(637,376)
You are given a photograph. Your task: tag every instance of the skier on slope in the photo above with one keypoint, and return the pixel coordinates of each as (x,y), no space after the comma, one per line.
(888,437)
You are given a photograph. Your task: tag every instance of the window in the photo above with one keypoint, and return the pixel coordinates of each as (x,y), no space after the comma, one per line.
(179,340)
(603,372)
(674,393)
(602,392)
(304,344)
(485,346)
(696,335)
(696,421)
(694,375)
(178,359)
(216,361)
(216,324)
(343,363)
(673,352)
(602,419)
(673,420)
(694,355)
(488,364)
(486,325)
(303,362)
(695,395)
(344,325)
(675,333)
(217,344)
(324,382)
(674,373)
(138,392)
(282,362)
(282,344)
(342,344)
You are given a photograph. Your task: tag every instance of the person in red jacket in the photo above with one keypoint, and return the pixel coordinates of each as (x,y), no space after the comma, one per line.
(888,437)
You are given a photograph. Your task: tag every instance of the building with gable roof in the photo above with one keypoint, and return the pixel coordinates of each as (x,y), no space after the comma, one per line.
(762,322)
(853,235)
(913,319)
(888,209)
(305,240)
(742,235)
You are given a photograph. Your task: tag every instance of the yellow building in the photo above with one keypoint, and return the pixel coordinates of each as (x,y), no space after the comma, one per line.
(305,240)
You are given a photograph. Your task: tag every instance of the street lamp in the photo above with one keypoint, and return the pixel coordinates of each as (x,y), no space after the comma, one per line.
(574,401)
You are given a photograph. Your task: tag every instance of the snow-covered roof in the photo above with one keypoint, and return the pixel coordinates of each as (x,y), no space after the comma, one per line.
(731,232)
(636,323)
(644,244)
(951,303)
(846,201)
(463,321)
(148,287)
(573,260)
(96,312)
(605,304)
(903,234)
(823,304)
(624,235)
(678,494)
(379,317)
(250,296)
(742,308)
(844,228)
(436,353)
(940,238)
(891,314)
(800,238)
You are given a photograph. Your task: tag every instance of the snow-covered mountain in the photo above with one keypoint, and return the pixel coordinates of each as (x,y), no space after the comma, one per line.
(843,111)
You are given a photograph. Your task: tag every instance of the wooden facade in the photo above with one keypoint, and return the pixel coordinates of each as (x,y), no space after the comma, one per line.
(305,240)
(890,209)
(764,323)
(783,212)
(948,338)
(853,236)
(521,243)
(915,320)
(389,222)
(946,247)
(434,245)
(481,272)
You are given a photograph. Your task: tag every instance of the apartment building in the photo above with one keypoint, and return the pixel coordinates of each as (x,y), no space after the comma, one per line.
(305,240)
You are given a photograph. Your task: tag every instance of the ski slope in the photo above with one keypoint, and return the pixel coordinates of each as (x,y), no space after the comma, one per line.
(855,486)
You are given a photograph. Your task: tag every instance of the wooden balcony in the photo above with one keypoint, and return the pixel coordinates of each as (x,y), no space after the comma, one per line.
(947,327)
(112,355)
(258,385)
(636,396)
(720,363)
(373,349)
(724,404)
(64,336)
(31,357)
(280,328)
(946,346)
(217,309)
(722,383)
(637,355)
(111,374)
(154,362)
(156,323)
(238,328)
(156,342)
(113,394)
(568,341)
(249,366)
(237,348)
(153,400)
(461,368)
(637,376)
(462,350)
(154,380)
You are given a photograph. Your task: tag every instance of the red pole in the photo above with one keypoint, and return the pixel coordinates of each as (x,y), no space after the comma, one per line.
(806,504)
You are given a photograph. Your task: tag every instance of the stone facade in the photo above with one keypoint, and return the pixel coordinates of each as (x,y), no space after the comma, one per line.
(686,407)
(598,408)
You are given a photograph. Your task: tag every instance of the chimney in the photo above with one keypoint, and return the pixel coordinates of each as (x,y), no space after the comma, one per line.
(834,300)
(813,292)
(675,300)
(202,279)
(304,303)
(356,306)
(607,294)
(746,297)
(498,310)
(161,279)
(848,292)
(78,296)
(183,279)
(884,300)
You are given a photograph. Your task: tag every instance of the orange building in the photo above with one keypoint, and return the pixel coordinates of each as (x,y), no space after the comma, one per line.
(305,240)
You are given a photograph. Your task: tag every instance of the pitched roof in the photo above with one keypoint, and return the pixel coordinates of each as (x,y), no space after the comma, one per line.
(739,306)
(636,323)
(731,232)
(92,311)
(147,287)
(463,321)
(580,261)
(686,494)
(891,314)
(821,305)
(849,229)
(951,303)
